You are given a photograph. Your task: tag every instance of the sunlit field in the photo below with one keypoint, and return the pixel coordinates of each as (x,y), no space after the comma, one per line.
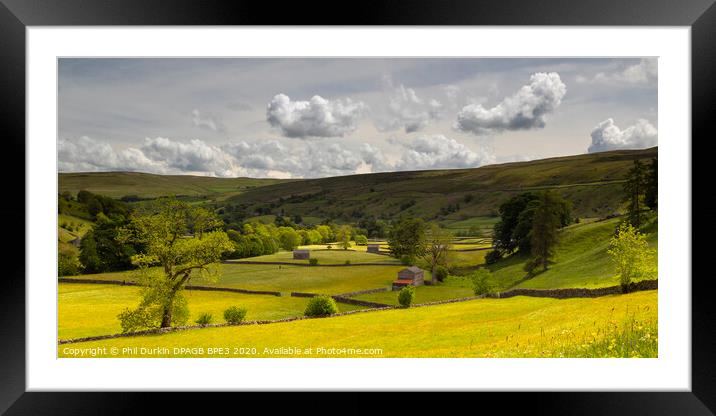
(89,310)
(514,327)
(324,256)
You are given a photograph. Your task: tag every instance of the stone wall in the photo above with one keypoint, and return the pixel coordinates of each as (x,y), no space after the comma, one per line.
(578,292)
(364,292)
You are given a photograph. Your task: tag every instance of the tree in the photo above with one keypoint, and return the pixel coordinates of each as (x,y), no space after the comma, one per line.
(406,238)
(289,238)
(343,236)
(164,227)
(326,233)
(504,238)
(437,247)
(545,227)
(631,255)
(101,250)
(652,186)
(482,282)
(406,295)
(634,188)
(361,240)
(514,230)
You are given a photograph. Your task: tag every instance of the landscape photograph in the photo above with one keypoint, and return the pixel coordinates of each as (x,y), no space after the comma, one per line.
(296,207)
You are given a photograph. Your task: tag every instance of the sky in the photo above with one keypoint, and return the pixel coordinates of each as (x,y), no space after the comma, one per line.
(319,117)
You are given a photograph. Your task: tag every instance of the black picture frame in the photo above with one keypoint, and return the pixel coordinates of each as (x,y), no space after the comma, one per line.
(16,15)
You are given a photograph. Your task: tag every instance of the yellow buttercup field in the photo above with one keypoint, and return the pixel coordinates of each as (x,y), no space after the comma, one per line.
(514,327)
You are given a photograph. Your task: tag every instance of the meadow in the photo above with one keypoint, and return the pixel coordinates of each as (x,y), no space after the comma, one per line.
(333,256)
(286,278)
(581,260)
(91,309)
(515,327)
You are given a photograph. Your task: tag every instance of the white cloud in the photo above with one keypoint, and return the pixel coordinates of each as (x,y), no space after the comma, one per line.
(206,121)
(374,157)
(607,136)
(88,155)
(524,110)
(158,155)
(439,152)
(301,160)
(317,117)
(194,156)
(645,72)
(405,110)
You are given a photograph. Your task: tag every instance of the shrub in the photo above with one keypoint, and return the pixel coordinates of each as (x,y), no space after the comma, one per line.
(204,319)
(321,306)
(148,315)
(235,315)
(493,256)
(361,240)
(407,260)
(348,262)
(632,256)
(482,282)
(67,265)
(313,262)
(329,247)
(441,272)
(406,295)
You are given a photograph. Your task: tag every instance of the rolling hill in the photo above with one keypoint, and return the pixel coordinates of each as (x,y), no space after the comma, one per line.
(593,182)
(146,185)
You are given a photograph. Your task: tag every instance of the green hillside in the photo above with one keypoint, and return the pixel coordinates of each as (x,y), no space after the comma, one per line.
(581,260)
(145,185)
(593,182)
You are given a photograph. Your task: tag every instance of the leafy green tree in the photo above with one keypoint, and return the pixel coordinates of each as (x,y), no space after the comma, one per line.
(440,273)
(326,233)
(545,228)
(361,240)
(632,255)
(101,249)
(510,210)
(652,186)
(343,236)
(164,228)
(67,265)
(289,238)
(482,282)
(407,238)
(406,296)
(321,306)
(438,243)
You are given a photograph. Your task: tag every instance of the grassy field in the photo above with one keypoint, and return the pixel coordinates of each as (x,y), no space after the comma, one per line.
(145,185)
(581,260)
(89,309)
(283,278)
(515,327)
(423,294)
(593,182)
(333,256)
(485,224)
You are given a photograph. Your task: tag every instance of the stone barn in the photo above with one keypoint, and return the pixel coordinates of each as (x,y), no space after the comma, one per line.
(373,248)
(301,254)
(412,276)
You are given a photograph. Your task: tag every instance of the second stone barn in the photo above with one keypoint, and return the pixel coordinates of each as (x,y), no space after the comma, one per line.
(411,276)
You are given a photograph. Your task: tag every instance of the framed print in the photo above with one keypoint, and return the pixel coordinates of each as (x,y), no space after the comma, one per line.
(423,199)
